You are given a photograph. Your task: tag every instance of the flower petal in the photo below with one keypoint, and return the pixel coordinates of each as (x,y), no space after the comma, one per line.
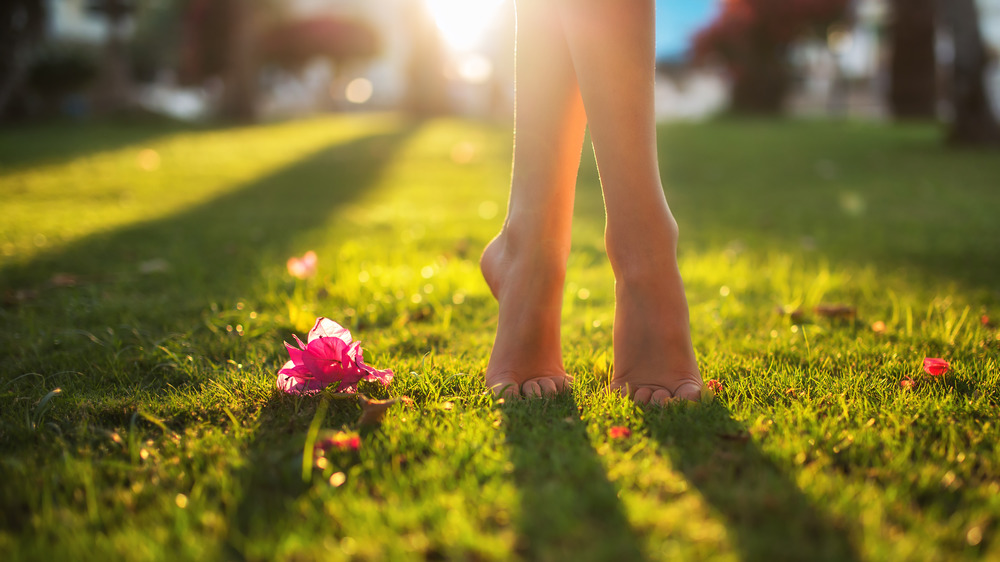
(309,259)
(326,328)
(384,376)
(294,353)
(293,378)
(619,432)
(935,366)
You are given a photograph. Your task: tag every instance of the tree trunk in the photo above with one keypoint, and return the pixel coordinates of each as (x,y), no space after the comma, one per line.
(761,82)
(113,85)
(912,80)
(974,122)
(239,96)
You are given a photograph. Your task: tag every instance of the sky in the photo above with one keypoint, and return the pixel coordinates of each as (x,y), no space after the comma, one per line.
(677,21)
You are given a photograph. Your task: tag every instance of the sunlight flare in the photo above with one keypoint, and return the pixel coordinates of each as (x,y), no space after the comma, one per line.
(463,22)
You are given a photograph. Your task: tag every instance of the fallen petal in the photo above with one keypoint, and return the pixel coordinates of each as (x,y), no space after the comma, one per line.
(619,432)
(340,441)
(935,366)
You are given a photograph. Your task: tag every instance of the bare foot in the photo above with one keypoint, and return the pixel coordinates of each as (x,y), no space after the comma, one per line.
(527,281)
(654,358)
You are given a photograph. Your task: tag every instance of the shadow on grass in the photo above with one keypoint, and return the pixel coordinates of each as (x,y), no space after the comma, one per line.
(210,253)
(271,482)
(569,509)
(766,515)
(214,253)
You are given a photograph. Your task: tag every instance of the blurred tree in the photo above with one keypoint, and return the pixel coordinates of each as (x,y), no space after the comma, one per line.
(219,40)
(22,25)
(973,122)
(427,93)
(156,41)
(912,71)
(292,44)
(61,69)
(344,42)
(113,84)
(752,38)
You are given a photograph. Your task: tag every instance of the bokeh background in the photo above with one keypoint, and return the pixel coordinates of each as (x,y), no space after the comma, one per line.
(198,60)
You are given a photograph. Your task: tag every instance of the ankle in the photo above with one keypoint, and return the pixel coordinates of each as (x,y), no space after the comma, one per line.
(642,253)
(537,244)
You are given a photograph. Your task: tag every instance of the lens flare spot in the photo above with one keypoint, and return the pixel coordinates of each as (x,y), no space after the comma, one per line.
(488,210)
(463,152)
(337,479)
(148,160)
(359,90)
(852,203)
(475,68)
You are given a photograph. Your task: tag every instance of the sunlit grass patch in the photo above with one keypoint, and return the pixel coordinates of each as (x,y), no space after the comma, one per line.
(823,263)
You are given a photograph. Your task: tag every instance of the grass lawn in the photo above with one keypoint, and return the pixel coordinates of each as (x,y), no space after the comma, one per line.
(146,298)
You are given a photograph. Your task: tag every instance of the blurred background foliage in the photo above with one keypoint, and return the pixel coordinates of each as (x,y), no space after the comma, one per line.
(243,60)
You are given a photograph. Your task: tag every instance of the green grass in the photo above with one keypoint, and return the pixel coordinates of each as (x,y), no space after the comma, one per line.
(156,302)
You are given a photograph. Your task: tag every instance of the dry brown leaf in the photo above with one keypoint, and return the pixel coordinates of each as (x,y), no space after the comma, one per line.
(372,411)
(842,311)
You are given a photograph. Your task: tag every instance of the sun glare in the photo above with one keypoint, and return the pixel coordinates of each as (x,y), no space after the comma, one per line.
(463,22)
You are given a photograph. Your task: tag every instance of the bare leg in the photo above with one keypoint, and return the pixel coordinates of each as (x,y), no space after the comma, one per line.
(612,43)
(525,265)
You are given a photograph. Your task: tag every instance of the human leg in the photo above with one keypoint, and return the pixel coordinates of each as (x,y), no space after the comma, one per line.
(612,46)
(525,265)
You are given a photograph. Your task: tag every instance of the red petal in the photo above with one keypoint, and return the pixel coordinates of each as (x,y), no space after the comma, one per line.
(619,432)
(935,366)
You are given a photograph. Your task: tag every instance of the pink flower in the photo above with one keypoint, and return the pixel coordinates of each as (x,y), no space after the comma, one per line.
(301,268)
(714,385)
(329,357)
(619,432)
(935,367)
(906,383)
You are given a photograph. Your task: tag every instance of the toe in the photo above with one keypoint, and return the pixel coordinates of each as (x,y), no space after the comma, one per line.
(563,383)
(547,386)
(505,389)
(531,388)
(660,396)
(643,395)
(689,390)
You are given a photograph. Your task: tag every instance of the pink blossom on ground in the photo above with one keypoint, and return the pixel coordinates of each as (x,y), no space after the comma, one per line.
(935,367)
(303,267)
(906,383)
(714,385)
(329,356)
